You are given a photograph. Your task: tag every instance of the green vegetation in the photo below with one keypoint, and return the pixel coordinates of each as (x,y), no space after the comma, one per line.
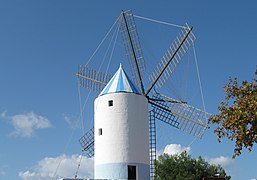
(183,167)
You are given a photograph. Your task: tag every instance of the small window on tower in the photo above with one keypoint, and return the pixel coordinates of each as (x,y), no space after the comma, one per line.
(110,103)
(100,131)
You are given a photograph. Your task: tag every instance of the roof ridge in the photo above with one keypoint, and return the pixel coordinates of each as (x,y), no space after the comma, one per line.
(120,82)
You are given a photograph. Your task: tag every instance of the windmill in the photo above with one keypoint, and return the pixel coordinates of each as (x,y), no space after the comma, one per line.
(123,139)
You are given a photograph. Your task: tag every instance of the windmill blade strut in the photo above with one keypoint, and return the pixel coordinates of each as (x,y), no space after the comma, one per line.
(133,48)
(92,79)
(87,142)
(165,100)
(176,114)
(175,55)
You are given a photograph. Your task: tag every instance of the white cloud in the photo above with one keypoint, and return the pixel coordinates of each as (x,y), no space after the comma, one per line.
(253,179)
(222,160)
(26,124)
(59,167)
(3,114)
(172,149)
(73,122)
(2,172)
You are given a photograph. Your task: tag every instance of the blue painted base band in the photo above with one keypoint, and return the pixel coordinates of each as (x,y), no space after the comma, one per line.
(120,171)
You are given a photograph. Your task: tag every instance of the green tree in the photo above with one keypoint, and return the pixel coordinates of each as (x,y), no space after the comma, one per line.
(183,167)
(237,118)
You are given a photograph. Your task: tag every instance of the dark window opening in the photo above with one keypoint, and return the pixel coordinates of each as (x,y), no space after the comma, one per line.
(100,131)
(110,103)
(132,172)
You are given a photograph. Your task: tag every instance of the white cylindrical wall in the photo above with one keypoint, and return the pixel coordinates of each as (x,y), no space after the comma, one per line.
(121,132)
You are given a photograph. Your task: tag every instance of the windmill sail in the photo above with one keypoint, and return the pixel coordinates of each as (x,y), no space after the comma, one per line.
(87,142)
(91,79)
(180,115)
(133,48)
(171,58)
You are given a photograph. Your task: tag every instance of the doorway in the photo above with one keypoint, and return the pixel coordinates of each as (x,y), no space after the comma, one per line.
(132,172)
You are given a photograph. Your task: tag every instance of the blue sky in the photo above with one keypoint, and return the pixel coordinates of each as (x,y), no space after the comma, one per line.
(43,42)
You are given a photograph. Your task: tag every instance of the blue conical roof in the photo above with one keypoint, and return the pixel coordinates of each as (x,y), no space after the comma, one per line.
(119,83)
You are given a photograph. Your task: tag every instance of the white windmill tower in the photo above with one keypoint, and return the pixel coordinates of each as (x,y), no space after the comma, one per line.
(121,131)
(123,139)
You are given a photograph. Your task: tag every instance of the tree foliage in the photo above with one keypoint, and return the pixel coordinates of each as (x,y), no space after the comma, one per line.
(183,167)
(237,118)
